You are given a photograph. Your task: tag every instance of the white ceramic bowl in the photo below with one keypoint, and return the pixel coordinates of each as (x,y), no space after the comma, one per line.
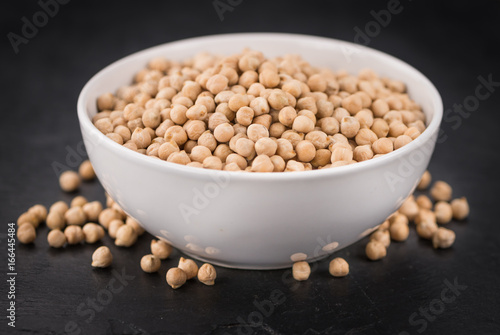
(258,220)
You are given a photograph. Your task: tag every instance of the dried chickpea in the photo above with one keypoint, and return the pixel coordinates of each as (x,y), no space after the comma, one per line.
(207,274)
(278,99)
(212,162)
(262,163)
(141,138)
(150,263)
(108,215)
(375,250)
(460,208)
(189,267)
(349,126)
(92,210)
(102,257)
(441,191)
(425,181)
(135,225)
(426,229)
(382,236)
(409,208)
(224,131)
(443,238)
(266,146)
(114,226)
(424,202)
(78,201)
(28,217)
(382,146)
(55,220)
(161,249)
(303,124)
(60,207)
(75,216)
(301,270)
(56,238)
(74,234)
(125,236)
(399,231)
(39,211)
(443,211)
(176,277)
(26,233)
(69,181)
(338,267)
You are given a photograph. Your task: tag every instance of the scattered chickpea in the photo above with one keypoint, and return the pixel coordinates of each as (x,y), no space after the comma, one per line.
(69,181)
(78,201)
(60,207)
(399,231)
(443,211)
(135,225)
(114,226)
(28,217)
(382,236)
(92,210)
(86,170)
(425,181)
(161,249)
(441,191)
(426,229)
(424,202)
(409,208)
(55,220)
(93,232)
(176,277)
(338,267)
(125,236)
(460,208)
(150,263)
(56,238)
(74,234)
(39,211)
(301,270)
(443,238)
(108,215)
(102,257)
(26,233)
(375,250)
(75,216)
(189,267)
(207,274)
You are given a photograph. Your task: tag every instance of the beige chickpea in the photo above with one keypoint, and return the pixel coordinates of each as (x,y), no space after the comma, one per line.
(224,132)
(238,160)
(441,191)
(443,238)
(213,163)
(256,132)
(262,163)
(425,215)
(176,277)
(113,227)
(150,263)
(293,87)
(102,257)
(93,232)
(161,249)
(260,106)
(301,270)
(28,217)
(189,267)
(104,125)
(199,153)
(176,134)
(306,151)
(56,238)
(207,274)
(380,128)
(92,210)
(287,115)
(352,103)
(349,126)
(125,236)
(105,101)
(409,208)
(166,149)
(338,267)
(39,211)
(443,211)
(108,215)
(86,170)
(141,138)
(245,147)
(308,103)
(362,153)
(330,125)
(278,163)
(285,149)
(55,220)
(426,229)
(375,250)
(401,141)
(151,118)
(196,112)
(139,230)
(303,124)
(294,166)
(382,146)
(424,202)
(425,181)
(382,236)
(69,181)
(245,115)
(278,99)
(194,129)
(75,216)
(341,154)
(266,146)
(365,136)
(238,101)
(399,231)
(26,233)
(269,78)
(74,234)
(78,201)
(460,208)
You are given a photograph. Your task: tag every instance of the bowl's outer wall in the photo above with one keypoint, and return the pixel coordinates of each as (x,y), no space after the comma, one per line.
(261,223)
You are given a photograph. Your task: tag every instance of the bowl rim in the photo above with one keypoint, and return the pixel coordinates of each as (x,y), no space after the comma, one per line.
(188,171)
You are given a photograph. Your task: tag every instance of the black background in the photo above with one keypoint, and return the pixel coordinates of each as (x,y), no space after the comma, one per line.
(453,43)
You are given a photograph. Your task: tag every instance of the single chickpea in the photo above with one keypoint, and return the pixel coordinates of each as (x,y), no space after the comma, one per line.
(176,277)
(238,160)
(39,211)
(102,257)
(69,181)
(104,125)
(113,227)
(426,229)
(365,136)
(141,138)
(189,267)
(135,225)
(330,125)
(28,217)
(108,215)
(207,274)
(287,115)
(338,267)
(213,163)
(26,233)
(278,99)
(256,132)
(362,153)
(293,87)
(353,103)
(56,238)
(425,181)
(341,154)
(74,234)
(161,249)
(259,106)
(238,101)
(441,191)
(199,153)
(382,236)
(306,151)
(224,131)
(375,250)
(443,211)
(78,201)
(75,216)
(399,231)
(301,270)
(269,78)
(166,149)
(425,215)
(55,220)
(460,208)
(380,128)
(245,147)
(105,101)
(262,163)
(285,149)
(93,232)
(125,236)
(349,126)
(303,124)
(179,158)
(443,238)
(266,146)
(382,146)
(150,263)
(92,210)
(60,207)
(424,202)
(409,208)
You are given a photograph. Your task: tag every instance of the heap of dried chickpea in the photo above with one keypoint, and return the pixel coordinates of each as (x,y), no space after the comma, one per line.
(248,113)
(77,223)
